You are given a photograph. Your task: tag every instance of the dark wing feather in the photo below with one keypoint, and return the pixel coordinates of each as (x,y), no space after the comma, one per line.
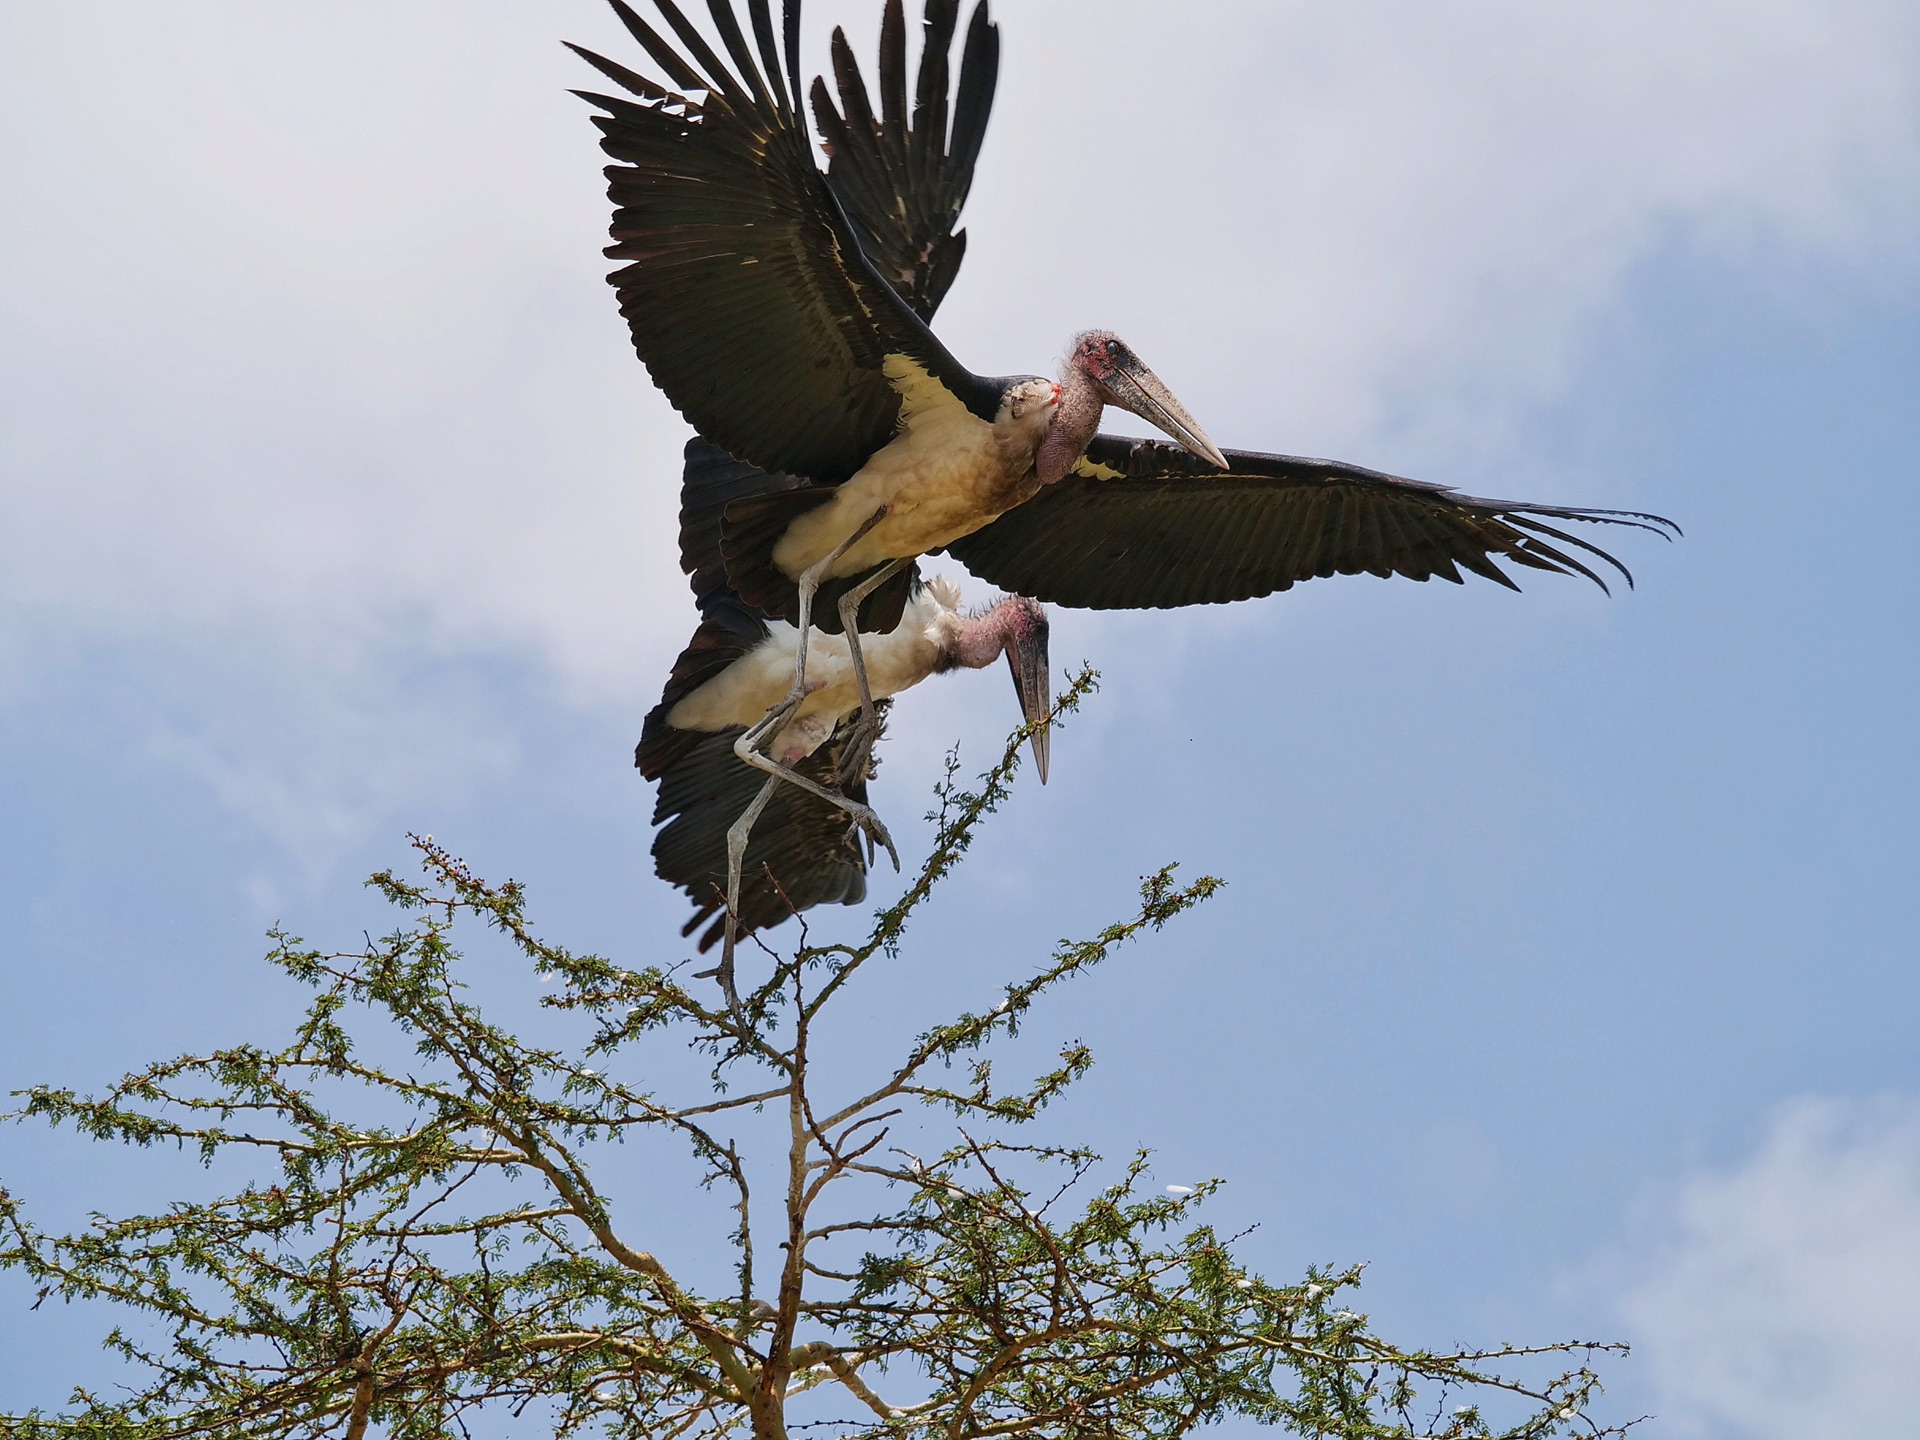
(712,481)
(1144,525)
(731,517)
(802,852)
(903,185)
(746,291)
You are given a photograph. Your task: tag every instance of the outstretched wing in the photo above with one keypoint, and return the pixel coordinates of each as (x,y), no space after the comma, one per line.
(903,184)
(745,287)
(902,187)
(1144,525)
(802,853)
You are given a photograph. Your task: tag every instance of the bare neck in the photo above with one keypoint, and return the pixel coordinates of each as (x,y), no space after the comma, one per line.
(979,640)
(1075,419)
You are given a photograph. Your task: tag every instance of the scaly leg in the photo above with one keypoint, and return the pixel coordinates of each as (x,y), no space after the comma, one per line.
(809,582)
(862,815)
(867,730)
(749,748)
(737,834)
(736,853)
(771,724)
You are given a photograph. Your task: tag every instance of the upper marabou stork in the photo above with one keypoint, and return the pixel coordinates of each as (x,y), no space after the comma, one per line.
(759,311)
(902,185)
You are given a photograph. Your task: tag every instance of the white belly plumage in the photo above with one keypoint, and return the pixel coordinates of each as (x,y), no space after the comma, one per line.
(756,682)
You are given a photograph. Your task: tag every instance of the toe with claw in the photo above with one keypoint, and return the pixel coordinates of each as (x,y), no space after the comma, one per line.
(865,821)
(853,761)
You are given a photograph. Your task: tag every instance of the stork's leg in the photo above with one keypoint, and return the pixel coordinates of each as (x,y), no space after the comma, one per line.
(771,724)
(809,582)
(862,815)
(736,854)
(741,829)
(750,747)
(867,730)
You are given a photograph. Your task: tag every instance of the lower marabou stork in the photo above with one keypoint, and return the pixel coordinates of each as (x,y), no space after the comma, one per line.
(758,310)
(725,694)
(719,694)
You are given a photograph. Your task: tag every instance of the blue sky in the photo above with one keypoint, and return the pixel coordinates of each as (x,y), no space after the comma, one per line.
(1566,970)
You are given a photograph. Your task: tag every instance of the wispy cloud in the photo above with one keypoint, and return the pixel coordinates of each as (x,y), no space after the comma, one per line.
(1374,216)
(1783,1301)
(306,337)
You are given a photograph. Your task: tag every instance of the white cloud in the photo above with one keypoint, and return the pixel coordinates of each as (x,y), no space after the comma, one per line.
(1376,216)
(1785,1302)
(307,331)
(306,335)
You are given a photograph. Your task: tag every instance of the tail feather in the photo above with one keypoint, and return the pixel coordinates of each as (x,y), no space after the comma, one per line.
(711,482)
(728,630)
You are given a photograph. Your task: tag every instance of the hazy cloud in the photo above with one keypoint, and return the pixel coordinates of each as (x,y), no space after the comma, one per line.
(306,336)
(1784,1303)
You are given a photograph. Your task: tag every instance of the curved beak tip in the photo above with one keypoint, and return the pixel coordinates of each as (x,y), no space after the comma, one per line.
(1029,663)
(1138,389)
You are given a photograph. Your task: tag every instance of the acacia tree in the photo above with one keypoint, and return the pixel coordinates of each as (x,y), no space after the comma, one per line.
(424,1245)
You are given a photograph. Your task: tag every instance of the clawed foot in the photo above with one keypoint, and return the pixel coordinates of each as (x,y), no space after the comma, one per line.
(867,823)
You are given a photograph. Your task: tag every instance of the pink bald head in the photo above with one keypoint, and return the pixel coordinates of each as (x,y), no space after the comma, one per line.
(1103,370)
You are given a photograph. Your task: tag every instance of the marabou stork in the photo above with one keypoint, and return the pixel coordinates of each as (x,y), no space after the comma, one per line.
(763,317)
(902,186)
